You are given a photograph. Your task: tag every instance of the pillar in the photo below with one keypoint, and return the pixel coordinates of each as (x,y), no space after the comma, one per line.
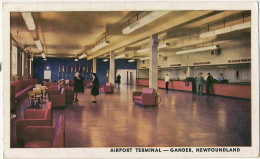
(94,65)
(153,65)
(112,68)
(190,72)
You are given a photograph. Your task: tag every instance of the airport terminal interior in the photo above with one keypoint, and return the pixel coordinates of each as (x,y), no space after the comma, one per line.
(94,79)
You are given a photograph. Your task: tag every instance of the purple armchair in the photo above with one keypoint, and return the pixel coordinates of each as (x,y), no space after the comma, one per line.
(58,99)
(45,136)
(146,98)
(33,117)
(109,88)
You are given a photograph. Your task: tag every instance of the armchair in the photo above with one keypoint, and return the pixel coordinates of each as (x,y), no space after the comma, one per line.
(33,117)
(109,88)
(146,97)
(45,136)
(58,99)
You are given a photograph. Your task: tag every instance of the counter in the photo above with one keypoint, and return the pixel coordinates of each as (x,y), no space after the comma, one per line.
(238,90)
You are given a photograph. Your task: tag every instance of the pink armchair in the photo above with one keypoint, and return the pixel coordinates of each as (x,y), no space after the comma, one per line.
(109,88)
(33,117)
(45,136)
(58,98)
(146,98)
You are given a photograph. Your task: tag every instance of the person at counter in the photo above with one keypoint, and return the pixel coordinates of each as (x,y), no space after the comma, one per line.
(167,79)
(221,77)
(209,82)
(199,83)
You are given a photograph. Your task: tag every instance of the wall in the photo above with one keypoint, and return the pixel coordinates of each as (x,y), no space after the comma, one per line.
(40,65)
(218,63)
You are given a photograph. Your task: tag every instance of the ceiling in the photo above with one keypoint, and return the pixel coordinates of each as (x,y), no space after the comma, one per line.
(69,34)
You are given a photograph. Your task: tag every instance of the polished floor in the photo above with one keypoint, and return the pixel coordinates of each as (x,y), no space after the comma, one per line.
(181,119)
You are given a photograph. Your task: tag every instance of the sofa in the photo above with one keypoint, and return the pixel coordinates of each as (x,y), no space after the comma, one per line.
(146,98)
(45,136)
(18,89)
(33,117)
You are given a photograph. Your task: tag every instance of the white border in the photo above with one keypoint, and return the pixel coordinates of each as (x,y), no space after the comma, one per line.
(119,6)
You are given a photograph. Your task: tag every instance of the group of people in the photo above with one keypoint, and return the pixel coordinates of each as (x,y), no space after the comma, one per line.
(79,86)
(209,82)
(199,82)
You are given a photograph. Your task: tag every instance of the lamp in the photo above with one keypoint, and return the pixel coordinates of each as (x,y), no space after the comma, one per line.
(83,56)
(148,49)
(144,58)
(120,56)
(28,19)
(131,60)
(143,50)
(99,46)
(43,55)
(143,21)
(105,60)
(164,45)
(44,59)
(38,44)
(198,49)
(226,29)
(76,59)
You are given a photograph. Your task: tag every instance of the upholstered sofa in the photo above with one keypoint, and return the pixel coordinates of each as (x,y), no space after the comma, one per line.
(146,98)
(33,117)
(21,86)
(109,88)
(18,88)
(45,136)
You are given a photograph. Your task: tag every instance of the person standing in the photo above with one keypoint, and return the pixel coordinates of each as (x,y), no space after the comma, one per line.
(78,85)
(118,79)
(209,82)
(199,82)
(95,87)
(167,79)
(221,77)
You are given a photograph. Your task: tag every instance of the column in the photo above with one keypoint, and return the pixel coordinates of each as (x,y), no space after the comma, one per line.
(190,72)
(94,65)
(153,65)
(112,68)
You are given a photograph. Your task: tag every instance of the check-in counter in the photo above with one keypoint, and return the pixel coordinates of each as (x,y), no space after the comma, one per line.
(176,85)
(238,90)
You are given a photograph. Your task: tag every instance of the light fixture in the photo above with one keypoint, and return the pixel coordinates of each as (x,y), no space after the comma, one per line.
(83,56)
(144,58)
(148,49)
(99,46)
(44,59)
(164,45)
(105,60)
(198,49)
(120,56)
(38,44)
(27,17)
(143,21)
(76,59)
(43,55)
(131,60)
(143,50)
(226,29)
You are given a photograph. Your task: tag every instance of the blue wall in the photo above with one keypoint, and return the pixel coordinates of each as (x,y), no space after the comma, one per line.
(39,65)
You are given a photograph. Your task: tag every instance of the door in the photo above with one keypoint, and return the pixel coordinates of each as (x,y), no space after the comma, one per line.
(47,75)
